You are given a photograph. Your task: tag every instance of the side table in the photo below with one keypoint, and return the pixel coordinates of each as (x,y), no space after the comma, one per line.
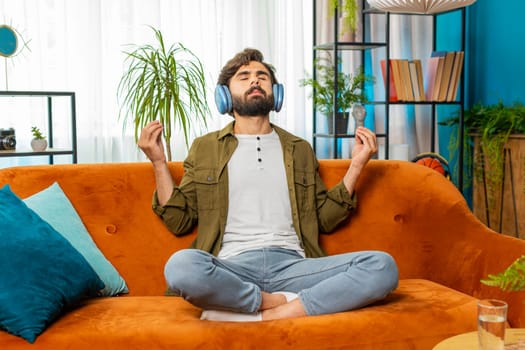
(469,341)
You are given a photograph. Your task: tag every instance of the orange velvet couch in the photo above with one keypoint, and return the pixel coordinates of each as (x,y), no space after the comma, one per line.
(407,210)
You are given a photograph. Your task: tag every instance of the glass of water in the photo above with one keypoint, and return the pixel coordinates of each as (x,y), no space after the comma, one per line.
(492,318)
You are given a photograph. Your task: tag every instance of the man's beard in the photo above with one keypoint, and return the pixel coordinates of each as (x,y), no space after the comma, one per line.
(256,106)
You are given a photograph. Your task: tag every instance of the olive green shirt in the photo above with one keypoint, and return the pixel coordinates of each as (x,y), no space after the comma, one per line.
(202,195)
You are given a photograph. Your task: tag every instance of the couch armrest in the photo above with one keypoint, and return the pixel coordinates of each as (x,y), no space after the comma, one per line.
(419,217)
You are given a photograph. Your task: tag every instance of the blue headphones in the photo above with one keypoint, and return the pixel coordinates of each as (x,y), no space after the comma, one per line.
(223,98)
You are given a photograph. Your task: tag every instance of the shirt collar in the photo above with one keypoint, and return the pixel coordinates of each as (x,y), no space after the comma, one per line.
(283,134)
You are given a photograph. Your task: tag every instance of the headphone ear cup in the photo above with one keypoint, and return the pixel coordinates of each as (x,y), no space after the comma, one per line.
(278,96)
(223,99)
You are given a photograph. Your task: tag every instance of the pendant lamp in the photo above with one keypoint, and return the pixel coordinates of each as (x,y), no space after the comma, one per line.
(419,6)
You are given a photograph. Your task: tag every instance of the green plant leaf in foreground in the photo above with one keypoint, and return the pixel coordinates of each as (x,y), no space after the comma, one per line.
(512,279)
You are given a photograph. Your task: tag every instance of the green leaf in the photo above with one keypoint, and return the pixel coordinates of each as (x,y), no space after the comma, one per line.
(165,84)
(512,279)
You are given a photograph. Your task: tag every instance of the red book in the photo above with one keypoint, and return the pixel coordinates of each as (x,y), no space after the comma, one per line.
(392,93)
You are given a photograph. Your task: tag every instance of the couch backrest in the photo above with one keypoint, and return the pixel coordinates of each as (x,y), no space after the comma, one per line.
(114,202)
(406,209)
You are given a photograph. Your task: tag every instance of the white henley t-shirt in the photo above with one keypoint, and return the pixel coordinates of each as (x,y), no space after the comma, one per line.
(259,213)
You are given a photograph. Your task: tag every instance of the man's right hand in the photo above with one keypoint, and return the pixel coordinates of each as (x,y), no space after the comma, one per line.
(150,142)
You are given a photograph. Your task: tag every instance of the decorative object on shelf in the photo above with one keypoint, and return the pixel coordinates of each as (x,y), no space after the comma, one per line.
(39,142)
(359,114)
(165,84)
(422,6)
(7,139)
(9,46)
(350,90)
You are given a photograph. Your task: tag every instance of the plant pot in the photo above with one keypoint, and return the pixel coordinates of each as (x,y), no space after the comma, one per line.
(341,123)
(38,145)
(499,195)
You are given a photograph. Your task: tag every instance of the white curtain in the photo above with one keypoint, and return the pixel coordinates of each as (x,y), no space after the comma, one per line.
(77,45)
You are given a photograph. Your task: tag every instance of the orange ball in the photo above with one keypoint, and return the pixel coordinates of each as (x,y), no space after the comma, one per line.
(432,163)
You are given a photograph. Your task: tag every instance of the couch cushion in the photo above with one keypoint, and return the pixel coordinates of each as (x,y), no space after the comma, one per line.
(52,205)
(41,274)
(418,315)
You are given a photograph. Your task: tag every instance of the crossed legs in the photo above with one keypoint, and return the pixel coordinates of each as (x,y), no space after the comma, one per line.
(245,283)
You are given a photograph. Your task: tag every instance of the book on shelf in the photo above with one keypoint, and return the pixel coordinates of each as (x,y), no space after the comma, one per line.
(446,74)
(439,82)
(431,75)
(416,78)
(406,81)
(401,96)
(440,55)
(420,77)
(391,85)
(455,76)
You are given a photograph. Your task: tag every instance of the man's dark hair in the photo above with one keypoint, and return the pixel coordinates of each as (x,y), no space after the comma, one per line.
(241,59)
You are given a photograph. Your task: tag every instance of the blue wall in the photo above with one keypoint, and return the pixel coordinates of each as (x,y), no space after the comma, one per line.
(496,52)
(494,61)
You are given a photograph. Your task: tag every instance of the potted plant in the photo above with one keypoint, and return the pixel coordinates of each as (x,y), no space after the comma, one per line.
(490,126)
(350,91)
(39,142)
(494,142)
(166,84)
(347,13)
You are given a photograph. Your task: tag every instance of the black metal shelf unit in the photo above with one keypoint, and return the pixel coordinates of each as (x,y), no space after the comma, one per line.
(337,47)
(51,152)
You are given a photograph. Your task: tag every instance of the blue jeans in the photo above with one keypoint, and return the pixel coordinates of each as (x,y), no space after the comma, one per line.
(324,285)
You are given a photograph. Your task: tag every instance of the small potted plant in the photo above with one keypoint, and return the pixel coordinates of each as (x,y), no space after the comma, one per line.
(39,142)
(348,14)
(350,91)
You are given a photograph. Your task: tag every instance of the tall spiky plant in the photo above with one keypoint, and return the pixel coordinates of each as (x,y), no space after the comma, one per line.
(166,84)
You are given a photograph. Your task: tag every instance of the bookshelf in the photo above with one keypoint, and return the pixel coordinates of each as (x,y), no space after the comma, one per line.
(48,97)
(364,48)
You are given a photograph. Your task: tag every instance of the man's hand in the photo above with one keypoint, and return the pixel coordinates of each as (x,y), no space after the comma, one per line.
(150,142)
(365,147)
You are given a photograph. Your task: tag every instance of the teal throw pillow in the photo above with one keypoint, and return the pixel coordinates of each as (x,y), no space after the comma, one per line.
(53,206)
(41,273)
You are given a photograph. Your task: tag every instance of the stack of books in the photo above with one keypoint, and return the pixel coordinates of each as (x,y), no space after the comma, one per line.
(439,83)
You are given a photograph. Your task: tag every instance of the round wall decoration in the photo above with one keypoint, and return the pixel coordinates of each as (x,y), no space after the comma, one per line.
(8,41)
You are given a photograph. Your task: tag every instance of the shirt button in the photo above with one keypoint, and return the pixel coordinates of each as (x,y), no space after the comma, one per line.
(210,178)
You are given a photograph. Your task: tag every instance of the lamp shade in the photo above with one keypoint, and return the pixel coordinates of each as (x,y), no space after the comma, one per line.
(419,6)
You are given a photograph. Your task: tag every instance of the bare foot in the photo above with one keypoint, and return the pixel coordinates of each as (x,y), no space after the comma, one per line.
(269,300)
(288,310)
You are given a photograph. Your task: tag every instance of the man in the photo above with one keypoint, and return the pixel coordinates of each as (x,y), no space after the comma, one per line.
(258,199)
